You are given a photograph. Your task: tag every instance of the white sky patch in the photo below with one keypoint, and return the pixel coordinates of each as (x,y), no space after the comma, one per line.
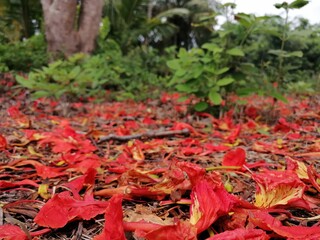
(261,7)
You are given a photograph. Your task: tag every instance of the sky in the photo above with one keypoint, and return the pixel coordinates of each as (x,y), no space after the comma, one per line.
(261,7)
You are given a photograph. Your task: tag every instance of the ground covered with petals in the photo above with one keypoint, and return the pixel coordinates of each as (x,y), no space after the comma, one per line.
(157,170)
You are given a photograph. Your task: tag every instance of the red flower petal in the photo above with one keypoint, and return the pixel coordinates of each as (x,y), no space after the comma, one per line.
(208,203)
(113,228)
(3,142)
(194,171)
(247,234)
(62,208)
(6,184)
(11,232)
(179,231)
(235,157)
(279,188)
(265,221)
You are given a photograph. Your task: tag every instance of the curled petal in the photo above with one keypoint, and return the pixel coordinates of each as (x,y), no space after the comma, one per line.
(279,188)
(208,203)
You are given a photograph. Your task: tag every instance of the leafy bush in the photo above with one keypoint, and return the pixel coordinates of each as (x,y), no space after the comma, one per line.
(72,76)
(301,87)
(203,72)
(23,56)
(278,52)
(90,76)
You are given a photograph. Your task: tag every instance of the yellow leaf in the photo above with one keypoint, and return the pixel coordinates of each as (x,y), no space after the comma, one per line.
(33,152)
(43,191)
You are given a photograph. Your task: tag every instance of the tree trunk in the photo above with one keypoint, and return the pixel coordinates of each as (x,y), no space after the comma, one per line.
(71,26)
(26,20)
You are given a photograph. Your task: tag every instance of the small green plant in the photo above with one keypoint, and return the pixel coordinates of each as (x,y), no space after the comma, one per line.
(203,72)
(3,68)
(273,55)
(25,55)
(301,87)
(79,75)
(131,76)
(283,35)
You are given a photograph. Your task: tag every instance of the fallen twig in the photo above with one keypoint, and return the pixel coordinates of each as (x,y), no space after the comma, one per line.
(149,134)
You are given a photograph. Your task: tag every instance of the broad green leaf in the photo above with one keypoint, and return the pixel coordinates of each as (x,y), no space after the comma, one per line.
(55,64)
(197,71)
(105,28)
(197,51)
(25,82)
(182,12)
(249,68)
(59,93)
(283,5)
(183,53)
(203,20)
(225,81)
(221,70)
(201,106)
(270,31)
(74,72)
(212,47)
(246,91)
(279,96)
(264,132)
(61,77)
(262,18)
(229,4)
(40,94)
(78,57)
(215,97)
(180,72)
(206,59)
(293,54)
(298,4)
(286,54)
(185,88)
(210,69)
(173,64)
(173,81)
(183,98)
(244,19)
(235,52)
(277,52)
(224,33)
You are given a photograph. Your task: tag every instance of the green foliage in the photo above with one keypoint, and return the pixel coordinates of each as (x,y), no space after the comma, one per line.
(91,76)
(19,19)
(301,87)
(145,47)
(75,76)
(283,35)
(203,72)
(159,24)
(278,52)
(23,56)
(294,5)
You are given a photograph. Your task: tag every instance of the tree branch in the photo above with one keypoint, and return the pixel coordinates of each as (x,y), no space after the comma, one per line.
(149,134)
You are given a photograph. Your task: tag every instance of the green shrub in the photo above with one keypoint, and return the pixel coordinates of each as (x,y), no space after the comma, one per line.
(23,56)
(203,72)
(90,76)
(74,76)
